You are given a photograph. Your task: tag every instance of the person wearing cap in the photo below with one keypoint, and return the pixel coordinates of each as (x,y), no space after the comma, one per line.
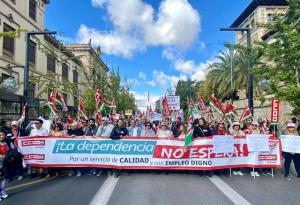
(147,131)
(133,129)
(38,129)
(105,128)
(236,131)
(288,156)
(254,129)
(220,129)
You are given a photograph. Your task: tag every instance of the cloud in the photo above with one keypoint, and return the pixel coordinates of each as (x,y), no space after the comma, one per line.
(98,3)
(166,81)
(193,70)
(136,26)
(141,100)
(142,75)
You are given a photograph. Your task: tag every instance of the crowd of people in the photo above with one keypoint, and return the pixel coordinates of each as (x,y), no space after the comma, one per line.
(12,165)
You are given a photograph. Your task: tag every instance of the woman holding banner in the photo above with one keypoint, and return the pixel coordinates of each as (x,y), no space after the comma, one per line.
(288,156)
(236,131)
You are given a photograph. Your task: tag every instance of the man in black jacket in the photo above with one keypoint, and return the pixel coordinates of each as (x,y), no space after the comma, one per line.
(119,131)
(92,129)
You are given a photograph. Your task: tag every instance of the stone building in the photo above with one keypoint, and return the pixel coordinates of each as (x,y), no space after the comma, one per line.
(256,13)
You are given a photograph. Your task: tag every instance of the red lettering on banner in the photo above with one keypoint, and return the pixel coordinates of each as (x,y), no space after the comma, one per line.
(197,151)
(267,157)
(275,111)
(34,157)
(26,143)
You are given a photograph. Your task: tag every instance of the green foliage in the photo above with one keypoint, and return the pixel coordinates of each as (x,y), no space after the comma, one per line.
(284,54)
(185,89)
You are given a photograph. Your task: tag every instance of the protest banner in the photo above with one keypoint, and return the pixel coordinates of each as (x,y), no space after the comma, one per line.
(142,153)
(223,144)
(258,143)
(173,102)
(290,143)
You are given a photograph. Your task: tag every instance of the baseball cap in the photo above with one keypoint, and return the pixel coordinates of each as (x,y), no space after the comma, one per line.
(291,125)
(236,124)
(15,123)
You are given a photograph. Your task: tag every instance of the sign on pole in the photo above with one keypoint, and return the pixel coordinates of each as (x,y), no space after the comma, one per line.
(173,102)
(128,112)
(275,111)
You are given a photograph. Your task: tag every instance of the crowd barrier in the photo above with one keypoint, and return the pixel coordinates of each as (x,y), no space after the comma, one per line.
(210,153)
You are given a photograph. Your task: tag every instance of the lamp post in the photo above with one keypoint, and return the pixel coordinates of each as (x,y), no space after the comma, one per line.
(250,74)
(26,68)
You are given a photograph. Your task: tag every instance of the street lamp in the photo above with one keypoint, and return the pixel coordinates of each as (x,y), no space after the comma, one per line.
(250,74)
(26,68)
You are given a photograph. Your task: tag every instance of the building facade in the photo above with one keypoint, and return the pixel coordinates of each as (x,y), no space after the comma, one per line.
(50,61)
(259,12)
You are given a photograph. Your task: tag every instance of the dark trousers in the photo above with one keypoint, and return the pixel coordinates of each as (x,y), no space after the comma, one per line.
(288,158)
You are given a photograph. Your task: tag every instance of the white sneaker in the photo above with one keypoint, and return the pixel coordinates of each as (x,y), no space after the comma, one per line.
(20,178)
(240,173)
(256,174)
(78,174)
(3,194)
(235,173)
(252,174)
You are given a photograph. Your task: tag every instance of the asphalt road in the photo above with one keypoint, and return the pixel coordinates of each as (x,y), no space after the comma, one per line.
(150,188)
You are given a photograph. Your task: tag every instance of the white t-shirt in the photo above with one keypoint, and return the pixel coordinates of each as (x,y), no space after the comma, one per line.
(39,132)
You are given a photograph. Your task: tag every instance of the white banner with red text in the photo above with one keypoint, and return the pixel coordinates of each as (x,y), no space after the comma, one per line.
(144,153)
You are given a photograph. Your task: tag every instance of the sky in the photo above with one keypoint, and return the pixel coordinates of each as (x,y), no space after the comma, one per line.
(154,43)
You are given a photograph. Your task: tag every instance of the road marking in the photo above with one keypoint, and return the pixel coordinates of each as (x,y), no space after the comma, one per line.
(235,197)
(29,183)
(105,191)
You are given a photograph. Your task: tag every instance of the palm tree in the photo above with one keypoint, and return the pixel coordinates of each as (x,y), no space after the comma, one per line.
(219,75)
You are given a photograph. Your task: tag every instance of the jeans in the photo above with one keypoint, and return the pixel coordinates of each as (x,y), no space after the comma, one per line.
(288,158)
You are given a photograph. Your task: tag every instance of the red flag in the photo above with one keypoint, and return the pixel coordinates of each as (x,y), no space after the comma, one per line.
(216,105)
(246,114)
(69,120)
(230,109)
(201,103)
(98,118)
(166,110)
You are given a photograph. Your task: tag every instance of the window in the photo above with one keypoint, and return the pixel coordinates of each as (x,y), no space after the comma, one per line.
(31,91)
(32,52)
(51,61)
(8,43)
(65,71)
(75,76)
(4,77)
(253,24)
(32,9)
(65,97)
(270,17)
(76,102)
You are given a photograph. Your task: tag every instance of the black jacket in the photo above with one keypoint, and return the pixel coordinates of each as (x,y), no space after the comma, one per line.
(77,132)
(91,131)
(201,131)
(119,132)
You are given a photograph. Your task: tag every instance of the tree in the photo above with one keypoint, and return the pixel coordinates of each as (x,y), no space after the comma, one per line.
(283,53)
(218,79)
(185,89)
